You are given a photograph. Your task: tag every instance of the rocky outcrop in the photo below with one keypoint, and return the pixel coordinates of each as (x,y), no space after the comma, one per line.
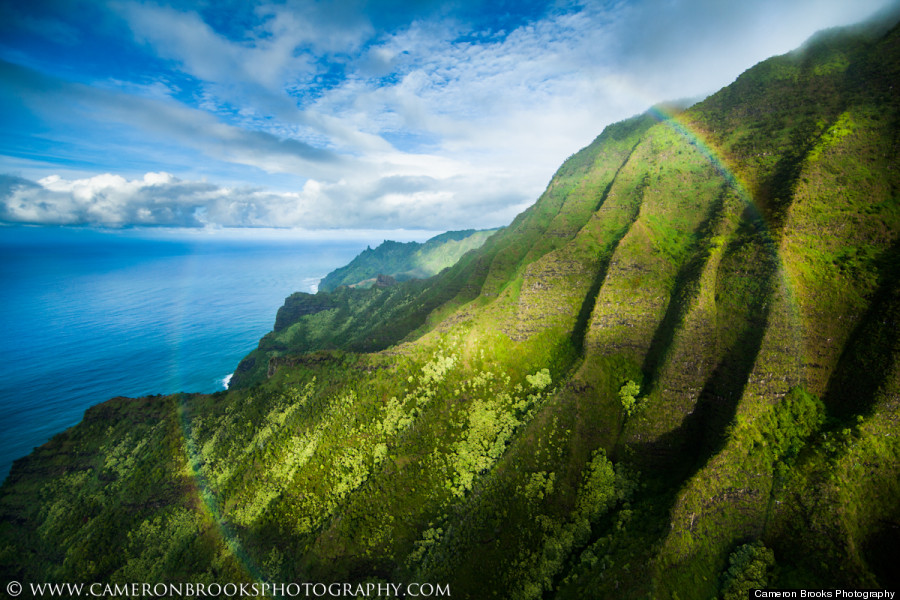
(300,304)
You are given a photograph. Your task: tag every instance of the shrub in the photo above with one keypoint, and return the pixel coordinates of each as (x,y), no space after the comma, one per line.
(748,568)
(628,396)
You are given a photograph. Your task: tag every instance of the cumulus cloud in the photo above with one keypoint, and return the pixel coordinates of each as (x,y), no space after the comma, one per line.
(161,199)
(108,200)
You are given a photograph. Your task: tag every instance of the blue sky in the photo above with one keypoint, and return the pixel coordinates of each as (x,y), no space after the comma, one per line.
(344,114)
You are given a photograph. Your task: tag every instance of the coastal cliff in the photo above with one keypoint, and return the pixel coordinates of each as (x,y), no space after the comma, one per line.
(677,374)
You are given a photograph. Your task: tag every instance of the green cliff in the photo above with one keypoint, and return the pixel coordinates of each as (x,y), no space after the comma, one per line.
(402,261)
(362,306)
(676,375)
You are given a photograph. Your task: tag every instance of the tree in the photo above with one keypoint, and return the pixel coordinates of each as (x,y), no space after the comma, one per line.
(627,394)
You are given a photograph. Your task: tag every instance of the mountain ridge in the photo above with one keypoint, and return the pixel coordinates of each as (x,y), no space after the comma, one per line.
(410,260)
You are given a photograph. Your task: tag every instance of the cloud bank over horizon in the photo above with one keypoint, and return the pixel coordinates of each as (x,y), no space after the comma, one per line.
(163,200)
(344,114)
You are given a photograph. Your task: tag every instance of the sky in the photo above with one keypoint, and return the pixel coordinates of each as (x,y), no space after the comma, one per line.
(344,115)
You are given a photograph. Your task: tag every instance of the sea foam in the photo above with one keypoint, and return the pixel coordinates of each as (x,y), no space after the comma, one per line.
(312,283)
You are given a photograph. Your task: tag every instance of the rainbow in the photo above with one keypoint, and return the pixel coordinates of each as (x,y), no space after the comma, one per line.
(791,350)
(208,502)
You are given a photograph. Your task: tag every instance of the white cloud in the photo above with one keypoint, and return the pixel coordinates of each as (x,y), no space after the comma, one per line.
(161,199)
(434,124)
(200,51)
(167,121)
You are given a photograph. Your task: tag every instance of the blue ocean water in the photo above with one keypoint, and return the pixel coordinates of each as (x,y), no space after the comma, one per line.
(86,316)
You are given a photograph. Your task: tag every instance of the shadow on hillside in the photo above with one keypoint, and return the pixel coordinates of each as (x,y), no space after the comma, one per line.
(869,354)
(687,283)
(579,330)
(679,453)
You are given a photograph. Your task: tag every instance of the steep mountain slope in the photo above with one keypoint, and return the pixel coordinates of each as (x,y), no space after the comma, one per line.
(676,375)
(406,261)
(369,320)
(359,318)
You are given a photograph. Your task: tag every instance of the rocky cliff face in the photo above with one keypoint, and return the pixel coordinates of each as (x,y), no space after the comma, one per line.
(676,375)
(298,305)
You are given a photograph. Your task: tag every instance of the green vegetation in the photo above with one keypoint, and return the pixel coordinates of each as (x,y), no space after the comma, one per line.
(627,395)
(748,568)
(406,261)
(676,375)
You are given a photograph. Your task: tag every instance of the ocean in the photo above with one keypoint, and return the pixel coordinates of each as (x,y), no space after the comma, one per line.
(86,316)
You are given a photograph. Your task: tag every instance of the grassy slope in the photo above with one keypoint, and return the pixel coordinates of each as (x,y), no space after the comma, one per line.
(454,457)
(371,320)
(405,261)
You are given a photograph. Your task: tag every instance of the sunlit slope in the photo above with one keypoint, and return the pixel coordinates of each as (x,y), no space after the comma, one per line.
(370,320)
(410,260)
(676,375)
